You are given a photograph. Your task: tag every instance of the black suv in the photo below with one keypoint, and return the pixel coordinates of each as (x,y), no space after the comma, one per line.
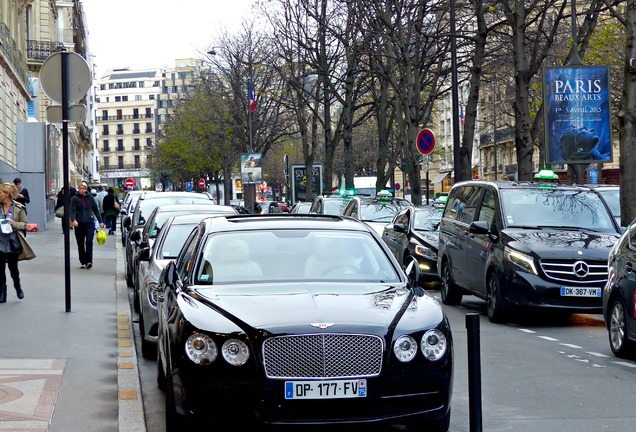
(525,244)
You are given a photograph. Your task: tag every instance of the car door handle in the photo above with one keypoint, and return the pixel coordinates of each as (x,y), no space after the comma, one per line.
(628,267)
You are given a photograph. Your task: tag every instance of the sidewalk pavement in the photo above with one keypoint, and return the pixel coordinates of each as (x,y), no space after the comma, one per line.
(76,370)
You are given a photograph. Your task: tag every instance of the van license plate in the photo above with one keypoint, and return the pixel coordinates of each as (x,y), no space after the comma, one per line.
(334,389)
(580,292)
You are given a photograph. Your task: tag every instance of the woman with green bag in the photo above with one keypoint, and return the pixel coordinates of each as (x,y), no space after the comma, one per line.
(83,212)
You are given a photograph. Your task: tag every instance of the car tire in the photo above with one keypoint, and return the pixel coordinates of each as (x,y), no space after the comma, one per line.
(617,329)
(136,300)
(451,294)
(175,422)
(161,376)
(129,278)
(495,304)
(148,349)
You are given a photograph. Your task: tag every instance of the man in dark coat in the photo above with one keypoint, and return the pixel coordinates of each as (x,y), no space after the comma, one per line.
(23,193)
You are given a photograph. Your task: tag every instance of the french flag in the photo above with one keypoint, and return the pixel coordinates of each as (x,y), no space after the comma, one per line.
(252,98)
(463,115)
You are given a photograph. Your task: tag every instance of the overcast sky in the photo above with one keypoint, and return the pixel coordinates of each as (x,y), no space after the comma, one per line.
(153,33)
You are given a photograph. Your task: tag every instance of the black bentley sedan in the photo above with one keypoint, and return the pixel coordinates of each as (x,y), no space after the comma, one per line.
(299,320)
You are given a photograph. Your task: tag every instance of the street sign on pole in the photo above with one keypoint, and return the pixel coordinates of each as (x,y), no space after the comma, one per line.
(202,183)
(425,141)
(129,183)
(79,77)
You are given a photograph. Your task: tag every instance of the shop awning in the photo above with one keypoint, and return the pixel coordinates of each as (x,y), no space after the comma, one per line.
(440,177)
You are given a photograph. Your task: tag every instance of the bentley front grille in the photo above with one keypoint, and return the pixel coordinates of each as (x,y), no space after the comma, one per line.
(323,356)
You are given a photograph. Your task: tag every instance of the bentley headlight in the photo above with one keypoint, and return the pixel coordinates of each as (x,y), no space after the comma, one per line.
(405,348)
(235,352)
(201,349)
(522,260)
(434,344)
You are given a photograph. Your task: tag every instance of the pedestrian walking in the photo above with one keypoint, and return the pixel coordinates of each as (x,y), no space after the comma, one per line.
(59,202)
(84,211)
(12,218)
(23,193)
(111,206)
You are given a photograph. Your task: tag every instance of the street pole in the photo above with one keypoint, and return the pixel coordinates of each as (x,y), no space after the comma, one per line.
(454,96)
(67,194)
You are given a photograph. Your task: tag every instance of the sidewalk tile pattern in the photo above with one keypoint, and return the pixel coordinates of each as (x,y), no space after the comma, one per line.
(28,391)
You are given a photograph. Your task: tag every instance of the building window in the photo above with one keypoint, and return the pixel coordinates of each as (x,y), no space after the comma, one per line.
(117,98)
(137,162)
(137,97)
(102,86)
(120,162)
(105,130)
(104,114)
(135,128)
(120,129)
(135,113)
(105,147)
(124,98)
(148,127)
(120,145)
(149,142)
(120,114)
(136,144)
(142,84)
(151,97)
(148,113)
(106,162)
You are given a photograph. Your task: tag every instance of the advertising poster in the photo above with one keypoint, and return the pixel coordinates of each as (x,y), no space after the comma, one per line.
(577,115)
(300,182)
(251,170)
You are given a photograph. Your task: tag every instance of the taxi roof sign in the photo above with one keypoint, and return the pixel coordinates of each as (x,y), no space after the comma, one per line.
(546,174)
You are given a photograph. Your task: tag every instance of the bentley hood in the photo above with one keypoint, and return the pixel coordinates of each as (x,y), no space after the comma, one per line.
(310,307)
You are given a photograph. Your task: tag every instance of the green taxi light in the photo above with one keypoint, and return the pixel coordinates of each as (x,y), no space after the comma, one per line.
(546,174)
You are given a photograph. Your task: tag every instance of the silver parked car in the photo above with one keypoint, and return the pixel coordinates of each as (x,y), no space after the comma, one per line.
(167,229)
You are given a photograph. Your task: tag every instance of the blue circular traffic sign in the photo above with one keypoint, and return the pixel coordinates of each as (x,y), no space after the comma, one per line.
(425,141)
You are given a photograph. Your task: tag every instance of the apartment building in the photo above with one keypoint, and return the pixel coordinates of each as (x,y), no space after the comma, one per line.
(31,146)
(126,124)
(132,107)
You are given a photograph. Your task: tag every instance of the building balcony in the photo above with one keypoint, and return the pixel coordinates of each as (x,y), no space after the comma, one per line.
(38,51)
(126,117)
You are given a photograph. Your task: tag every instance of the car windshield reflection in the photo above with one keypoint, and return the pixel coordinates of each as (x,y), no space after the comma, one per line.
(284,255)
(555,208)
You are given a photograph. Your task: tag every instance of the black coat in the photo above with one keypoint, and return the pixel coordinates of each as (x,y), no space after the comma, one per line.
(60,197)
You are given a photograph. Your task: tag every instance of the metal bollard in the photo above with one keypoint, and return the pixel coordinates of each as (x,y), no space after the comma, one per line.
(474,372)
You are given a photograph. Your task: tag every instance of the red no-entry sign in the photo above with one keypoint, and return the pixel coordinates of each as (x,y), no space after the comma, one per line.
(425,141)
(129,183)
(202,183)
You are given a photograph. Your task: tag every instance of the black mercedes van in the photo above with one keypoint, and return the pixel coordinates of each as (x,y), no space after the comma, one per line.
(525,245)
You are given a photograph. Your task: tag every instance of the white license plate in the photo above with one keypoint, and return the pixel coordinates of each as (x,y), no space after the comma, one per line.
(580,292)
(335,389)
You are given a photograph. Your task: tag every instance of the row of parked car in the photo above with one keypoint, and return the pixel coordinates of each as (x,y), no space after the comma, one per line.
(282,318)
(322,319)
